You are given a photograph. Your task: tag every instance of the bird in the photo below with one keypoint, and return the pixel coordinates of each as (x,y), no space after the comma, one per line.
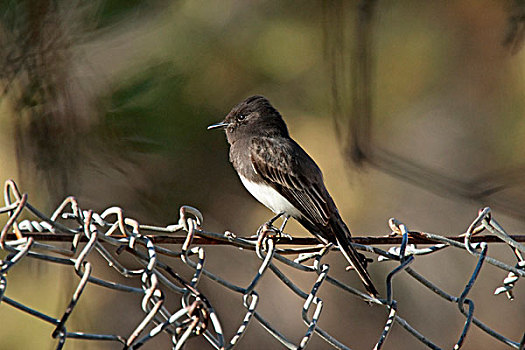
(279,173)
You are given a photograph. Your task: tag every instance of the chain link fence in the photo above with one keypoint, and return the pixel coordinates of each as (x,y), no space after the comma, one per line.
(91,233)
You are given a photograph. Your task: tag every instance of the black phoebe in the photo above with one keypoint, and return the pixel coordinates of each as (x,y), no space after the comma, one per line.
(283,177)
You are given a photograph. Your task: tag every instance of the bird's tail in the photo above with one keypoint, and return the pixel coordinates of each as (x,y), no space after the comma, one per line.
(342,234)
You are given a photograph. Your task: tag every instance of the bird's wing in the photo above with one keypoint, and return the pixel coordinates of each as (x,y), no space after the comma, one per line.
(283,164)
(289,169)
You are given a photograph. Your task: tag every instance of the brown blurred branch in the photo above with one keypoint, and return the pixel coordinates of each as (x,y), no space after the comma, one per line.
(352,82)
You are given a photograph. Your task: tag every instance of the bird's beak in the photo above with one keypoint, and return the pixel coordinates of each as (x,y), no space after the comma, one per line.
(218,125)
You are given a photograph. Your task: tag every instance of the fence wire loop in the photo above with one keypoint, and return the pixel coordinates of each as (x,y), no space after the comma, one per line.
(92,234)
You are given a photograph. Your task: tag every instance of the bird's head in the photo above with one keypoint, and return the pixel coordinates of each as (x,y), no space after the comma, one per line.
(254,116)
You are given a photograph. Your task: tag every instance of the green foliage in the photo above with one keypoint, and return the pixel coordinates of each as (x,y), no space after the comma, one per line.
(149,113)
(114,10)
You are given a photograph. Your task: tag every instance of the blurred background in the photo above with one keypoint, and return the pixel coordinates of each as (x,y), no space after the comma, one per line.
(420,104)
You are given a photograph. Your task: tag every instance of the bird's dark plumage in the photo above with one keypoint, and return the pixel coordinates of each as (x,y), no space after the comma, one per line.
(282,176)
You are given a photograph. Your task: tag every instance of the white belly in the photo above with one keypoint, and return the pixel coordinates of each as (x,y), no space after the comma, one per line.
(270,198)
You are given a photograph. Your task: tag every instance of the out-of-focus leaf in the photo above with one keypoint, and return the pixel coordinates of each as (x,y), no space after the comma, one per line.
(148,113)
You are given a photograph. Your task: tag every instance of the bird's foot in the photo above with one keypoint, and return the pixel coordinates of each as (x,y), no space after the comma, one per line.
(271,231)
(285,235)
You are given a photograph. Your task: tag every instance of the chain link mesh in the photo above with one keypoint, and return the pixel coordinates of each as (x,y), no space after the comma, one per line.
(92,233)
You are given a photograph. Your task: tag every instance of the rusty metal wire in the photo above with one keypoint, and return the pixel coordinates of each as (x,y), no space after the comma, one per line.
(92,233)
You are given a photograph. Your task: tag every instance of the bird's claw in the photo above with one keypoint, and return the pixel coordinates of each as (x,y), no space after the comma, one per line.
(285,235)
(271,231)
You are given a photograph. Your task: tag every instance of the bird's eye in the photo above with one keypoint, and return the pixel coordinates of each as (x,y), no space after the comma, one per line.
(241,117)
